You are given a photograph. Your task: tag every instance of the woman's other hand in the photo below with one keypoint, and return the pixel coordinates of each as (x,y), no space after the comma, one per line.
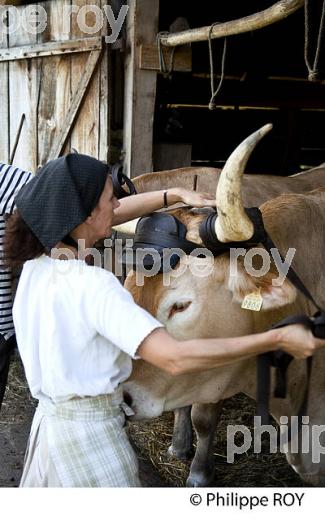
(191,198)
(298,341)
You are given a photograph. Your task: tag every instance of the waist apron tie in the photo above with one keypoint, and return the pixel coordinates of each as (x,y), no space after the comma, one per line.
(80,443)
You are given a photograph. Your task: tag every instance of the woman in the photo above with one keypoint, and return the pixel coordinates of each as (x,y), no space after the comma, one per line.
(78,329)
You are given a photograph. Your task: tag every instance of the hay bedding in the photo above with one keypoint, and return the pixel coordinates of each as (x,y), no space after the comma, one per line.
(151,440)
(252,470)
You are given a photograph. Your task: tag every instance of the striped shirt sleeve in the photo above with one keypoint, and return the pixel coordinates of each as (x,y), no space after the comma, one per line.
(12,179)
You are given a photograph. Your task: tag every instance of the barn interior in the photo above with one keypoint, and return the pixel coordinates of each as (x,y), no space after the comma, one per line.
(137,98)
(262,78)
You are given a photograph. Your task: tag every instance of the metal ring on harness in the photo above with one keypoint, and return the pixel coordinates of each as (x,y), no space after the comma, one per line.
(119,179)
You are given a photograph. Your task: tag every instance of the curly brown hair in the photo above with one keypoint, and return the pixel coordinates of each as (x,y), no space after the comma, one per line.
(20,243)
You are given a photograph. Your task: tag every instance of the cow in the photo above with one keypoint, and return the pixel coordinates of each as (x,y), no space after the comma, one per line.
(256,189)
(209,307)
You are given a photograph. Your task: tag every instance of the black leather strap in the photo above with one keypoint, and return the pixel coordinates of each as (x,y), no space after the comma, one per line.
(119,180)
(319,324)
(210,240)
(281,361)
(69,241)
(291,274)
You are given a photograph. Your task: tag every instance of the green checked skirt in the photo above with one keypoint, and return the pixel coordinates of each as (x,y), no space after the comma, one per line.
(80,443)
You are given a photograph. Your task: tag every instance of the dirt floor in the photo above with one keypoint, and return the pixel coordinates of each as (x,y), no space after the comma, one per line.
(150,440)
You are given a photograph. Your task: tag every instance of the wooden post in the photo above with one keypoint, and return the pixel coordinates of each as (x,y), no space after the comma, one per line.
(140,88)
(104,94)
(4,106)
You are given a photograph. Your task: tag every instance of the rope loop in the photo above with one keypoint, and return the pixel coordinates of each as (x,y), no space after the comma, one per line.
(215,92)
(166,71)
(313,71)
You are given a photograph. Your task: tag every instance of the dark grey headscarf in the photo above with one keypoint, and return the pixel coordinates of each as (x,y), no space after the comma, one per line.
(61,196)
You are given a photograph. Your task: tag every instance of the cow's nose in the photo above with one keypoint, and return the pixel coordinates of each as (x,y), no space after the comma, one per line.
(127,398)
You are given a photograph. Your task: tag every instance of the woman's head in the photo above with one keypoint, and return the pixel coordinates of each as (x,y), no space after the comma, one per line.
(72,193)
(61,196)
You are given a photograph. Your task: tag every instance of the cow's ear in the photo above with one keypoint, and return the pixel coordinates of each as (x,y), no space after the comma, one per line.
(274,296)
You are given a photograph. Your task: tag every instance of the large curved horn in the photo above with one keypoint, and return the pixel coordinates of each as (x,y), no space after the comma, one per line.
(233,224)
(127,227)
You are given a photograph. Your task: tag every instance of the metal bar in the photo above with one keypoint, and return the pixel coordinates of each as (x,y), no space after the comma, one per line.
(12,156)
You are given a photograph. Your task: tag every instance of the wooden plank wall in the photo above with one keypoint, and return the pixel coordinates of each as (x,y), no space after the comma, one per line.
(85,134)
(54,85)
(42,89)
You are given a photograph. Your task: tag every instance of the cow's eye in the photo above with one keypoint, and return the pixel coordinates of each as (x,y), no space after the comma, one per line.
(178,307)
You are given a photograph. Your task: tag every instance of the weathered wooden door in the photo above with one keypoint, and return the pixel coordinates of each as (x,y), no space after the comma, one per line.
(54,88)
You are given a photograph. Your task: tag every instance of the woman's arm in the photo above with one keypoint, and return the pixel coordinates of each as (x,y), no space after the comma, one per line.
(142,204)
(181,357)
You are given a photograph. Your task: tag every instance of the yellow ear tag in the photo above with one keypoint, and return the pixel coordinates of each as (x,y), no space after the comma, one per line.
(253,301)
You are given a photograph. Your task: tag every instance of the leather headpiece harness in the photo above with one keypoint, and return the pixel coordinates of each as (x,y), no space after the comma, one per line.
(119,180)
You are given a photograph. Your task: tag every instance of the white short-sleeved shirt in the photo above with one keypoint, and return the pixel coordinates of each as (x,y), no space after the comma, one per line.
(77,328)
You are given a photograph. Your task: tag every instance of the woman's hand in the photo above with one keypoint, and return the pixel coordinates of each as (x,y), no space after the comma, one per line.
(298,341)
(145,203)
(191,198)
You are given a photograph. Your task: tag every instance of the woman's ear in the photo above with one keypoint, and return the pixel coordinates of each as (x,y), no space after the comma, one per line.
(91,217)
(89,220)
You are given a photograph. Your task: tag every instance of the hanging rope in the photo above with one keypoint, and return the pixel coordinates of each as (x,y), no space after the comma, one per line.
(166,71)
(214,92)
(313,71)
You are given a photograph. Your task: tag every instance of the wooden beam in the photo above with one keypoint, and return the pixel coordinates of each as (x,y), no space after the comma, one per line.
(192,92)
(273,14)
(75,105)
(51,49)
(181,61)
(140,88)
